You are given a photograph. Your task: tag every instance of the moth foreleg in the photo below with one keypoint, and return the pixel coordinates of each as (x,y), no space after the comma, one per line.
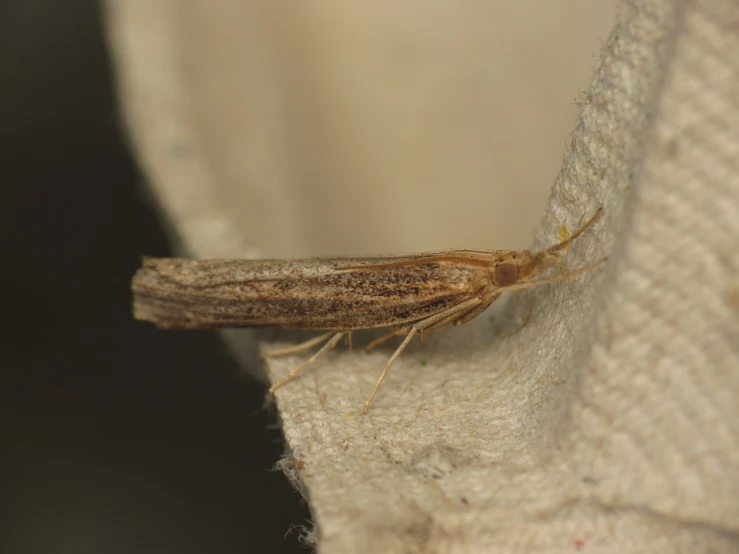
(330,344)
(420,327)
(456,318)
(462,317)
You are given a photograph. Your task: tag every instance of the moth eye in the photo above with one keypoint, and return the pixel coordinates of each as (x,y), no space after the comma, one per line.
(506,274)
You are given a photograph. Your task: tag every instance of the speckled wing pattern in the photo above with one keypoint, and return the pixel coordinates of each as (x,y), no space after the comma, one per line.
(320,293)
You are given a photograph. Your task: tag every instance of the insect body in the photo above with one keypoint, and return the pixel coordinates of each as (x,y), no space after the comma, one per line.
(412,294)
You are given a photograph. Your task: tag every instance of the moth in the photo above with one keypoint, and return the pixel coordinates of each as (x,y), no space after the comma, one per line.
(410,294)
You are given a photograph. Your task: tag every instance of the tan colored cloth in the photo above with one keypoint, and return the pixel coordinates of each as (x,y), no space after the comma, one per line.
(610,421)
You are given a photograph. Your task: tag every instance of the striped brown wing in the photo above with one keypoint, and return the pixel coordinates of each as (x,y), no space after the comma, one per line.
(321,294)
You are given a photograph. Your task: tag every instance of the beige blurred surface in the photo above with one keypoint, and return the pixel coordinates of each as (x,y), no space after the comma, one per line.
(347,128)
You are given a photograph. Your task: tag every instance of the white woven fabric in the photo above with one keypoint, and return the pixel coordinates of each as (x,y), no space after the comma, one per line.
(611,421)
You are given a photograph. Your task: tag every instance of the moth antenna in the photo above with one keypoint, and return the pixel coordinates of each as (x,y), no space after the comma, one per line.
(580,231)
(566,275)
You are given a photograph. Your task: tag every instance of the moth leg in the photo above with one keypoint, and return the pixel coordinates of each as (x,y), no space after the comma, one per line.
(460,317)
(455,318)
(420,327)
(446,321)
(298,347)
(473,313)
(330,344)
(384,338)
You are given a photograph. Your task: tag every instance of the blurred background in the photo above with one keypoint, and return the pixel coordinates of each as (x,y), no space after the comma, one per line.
(237,128)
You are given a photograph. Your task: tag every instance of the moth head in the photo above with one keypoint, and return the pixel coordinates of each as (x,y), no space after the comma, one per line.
(521,266)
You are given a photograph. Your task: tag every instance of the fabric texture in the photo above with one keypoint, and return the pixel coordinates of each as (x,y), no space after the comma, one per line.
(612,418)
(600,414)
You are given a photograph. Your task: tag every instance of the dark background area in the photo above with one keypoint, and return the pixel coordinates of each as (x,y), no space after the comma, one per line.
(116,437)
